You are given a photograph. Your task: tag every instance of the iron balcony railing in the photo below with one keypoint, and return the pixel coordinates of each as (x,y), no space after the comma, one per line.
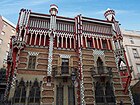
(63,71)
(105,100)
(101,70)
(124,68)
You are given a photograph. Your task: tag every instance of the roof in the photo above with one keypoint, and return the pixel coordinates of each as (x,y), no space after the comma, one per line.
(9,22)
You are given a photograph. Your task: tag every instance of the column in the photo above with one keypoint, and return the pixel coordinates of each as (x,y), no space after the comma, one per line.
(108,44)
(27,93)
(101,43)
(58,41)
(26,38)
(31,39)
(74,43)
(62,42)
(66,42)
(40,39)
(97,43)
(35,38)
(93,44)
(70,42)
(82,40)
(86,40)
(44,40)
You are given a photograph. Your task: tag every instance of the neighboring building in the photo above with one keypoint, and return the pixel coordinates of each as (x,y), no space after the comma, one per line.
(7,29)
(131,41)
(2,84)
(57,60)
(132,46)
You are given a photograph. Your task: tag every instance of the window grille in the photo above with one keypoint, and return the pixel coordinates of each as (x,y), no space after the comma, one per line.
(32,62)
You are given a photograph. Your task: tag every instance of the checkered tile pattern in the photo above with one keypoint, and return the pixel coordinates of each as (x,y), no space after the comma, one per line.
(33,53)
(64,56)
(98,52)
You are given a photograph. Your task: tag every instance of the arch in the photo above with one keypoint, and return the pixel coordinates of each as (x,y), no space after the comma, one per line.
(121,64)
(20,92)
(99,93)
(34,94)
(100,65)
(110,98)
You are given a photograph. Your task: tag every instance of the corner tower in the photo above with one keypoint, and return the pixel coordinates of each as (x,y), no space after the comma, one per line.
(120,56)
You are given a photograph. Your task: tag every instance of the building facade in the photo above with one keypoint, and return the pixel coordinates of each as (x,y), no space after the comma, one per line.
(7,29)
(132,46)
(131,43)
(57,60)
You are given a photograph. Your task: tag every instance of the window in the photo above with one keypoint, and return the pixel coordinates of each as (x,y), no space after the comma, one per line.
(1,41)
(59,98)
(131,40)
(2,33)
(5,25)
(32,62)
(138,67)
(135,53)
(13,31)
(104,43)
(65,66)
(100,67)
(20,93)
(89,43)
(104,93)
(71,95)
(34,94)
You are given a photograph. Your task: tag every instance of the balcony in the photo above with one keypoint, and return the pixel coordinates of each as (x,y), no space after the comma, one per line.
(124,68)
(101,71)
(63,71)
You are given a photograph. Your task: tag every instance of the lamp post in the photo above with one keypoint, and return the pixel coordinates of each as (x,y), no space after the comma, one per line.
(73,76)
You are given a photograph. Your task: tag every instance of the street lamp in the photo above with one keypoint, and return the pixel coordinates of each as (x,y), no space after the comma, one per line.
(73,76)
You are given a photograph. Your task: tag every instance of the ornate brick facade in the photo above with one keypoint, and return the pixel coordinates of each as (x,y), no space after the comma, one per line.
(71,61)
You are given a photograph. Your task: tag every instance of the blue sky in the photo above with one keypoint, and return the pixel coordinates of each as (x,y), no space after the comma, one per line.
(127,11)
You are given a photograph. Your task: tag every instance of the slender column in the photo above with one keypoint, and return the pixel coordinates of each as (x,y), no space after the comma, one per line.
(27,93)
(86,40)
(108,44)
(40,39)
(74,43)
(62,42)
(44,40)
(97,43)
(31,39)
(82,40)
(101,43)
(35,38)
(66,42)
(93,44)
(70,42)
(26,38)
(58,41)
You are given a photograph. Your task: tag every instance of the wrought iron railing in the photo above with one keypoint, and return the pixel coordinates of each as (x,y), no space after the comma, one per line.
(101,70)
(105,100)
(63,70)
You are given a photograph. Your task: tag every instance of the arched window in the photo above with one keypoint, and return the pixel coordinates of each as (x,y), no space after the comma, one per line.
(100,66)
(109,93)
(99,93)
(20,92)
(104,93)
(34,94)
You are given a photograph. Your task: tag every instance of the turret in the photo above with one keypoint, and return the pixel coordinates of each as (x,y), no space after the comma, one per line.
(109,14)
(53,11)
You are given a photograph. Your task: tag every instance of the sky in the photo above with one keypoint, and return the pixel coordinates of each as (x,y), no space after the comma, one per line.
(127,11)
